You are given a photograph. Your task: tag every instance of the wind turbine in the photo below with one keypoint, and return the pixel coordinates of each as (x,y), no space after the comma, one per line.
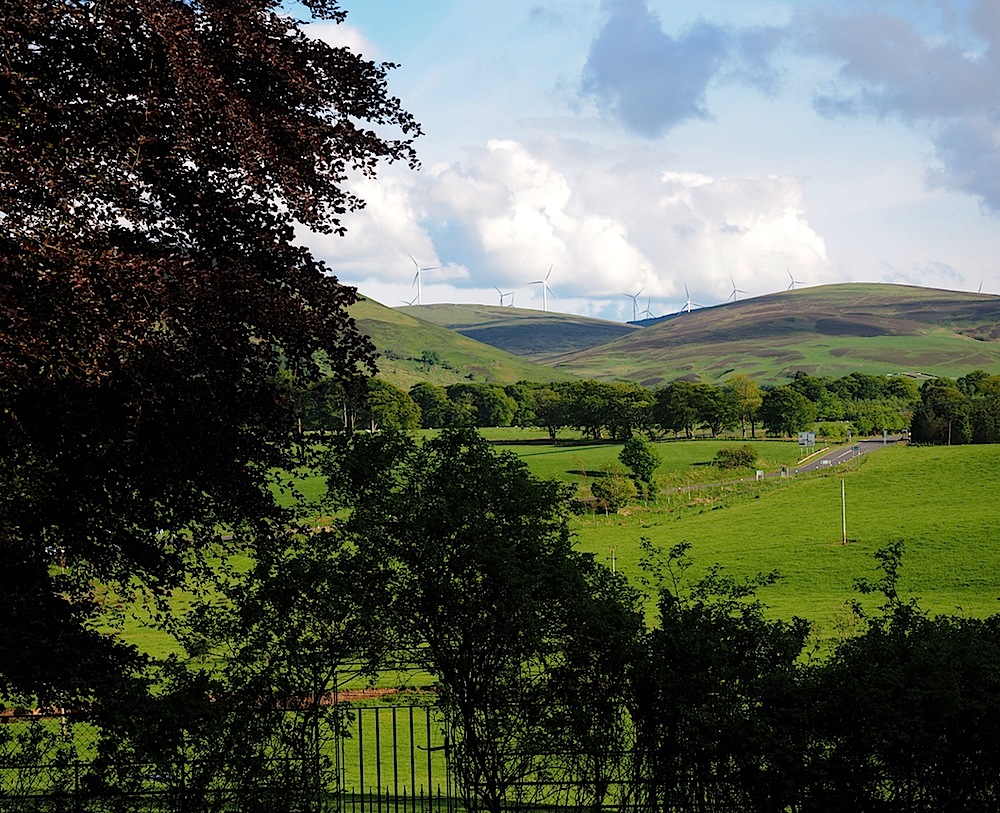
(635,304)
(736,290)
(688,304)
(416,276)
(504,296)
(647,314)
(408,302)
(792,281)
(544,282)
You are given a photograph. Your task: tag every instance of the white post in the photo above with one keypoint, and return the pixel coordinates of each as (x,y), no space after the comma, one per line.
(843,510)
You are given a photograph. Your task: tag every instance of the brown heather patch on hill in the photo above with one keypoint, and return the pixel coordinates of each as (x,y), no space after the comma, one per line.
(827,330)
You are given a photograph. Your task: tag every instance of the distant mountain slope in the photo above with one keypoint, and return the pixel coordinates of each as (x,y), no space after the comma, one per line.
(413,350)
(537,335)
(827,330)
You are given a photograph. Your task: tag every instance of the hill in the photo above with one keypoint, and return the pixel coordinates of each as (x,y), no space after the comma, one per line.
(537,335)
(413,350)
(829,330)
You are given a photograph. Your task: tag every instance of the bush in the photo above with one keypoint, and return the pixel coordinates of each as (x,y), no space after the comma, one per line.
(614,488)
(736,457)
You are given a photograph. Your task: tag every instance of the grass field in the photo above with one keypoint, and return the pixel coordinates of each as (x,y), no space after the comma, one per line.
(937,500)
(682,462)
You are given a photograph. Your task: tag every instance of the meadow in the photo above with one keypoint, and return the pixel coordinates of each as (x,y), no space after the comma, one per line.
(935,499)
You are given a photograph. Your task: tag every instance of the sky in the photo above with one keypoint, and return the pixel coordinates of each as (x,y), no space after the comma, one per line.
(682,150)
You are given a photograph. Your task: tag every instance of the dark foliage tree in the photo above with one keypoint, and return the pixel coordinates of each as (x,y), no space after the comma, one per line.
(943,415)
(783,411)
(715,696)
(155,157)
(488,596)
(907,714)
(550,411)
(387,407)
(641,458)
(716,408)
(432,401)
(676,407)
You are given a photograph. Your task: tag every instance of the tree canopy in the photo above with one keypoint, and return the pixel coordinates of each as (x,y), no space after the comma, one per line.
(156,158)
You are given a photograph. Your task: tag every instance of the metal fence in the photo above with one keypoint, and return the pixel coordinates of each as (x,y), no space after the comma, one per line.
(372,759)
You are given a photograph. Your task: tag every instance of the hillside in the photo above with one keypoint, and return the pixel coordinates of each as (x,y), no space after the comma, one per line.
(413,350)
(828,330)
(537,335)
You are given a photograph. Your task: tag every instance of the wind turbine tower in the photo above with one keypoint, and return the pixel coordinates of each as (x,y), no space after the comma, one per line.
(544,282)
(635,304)
(736,290)
(688,304)
(417,276)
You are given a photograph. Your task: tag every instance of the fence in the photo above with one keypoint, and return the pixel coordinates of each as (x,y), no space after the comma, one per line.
(367,759)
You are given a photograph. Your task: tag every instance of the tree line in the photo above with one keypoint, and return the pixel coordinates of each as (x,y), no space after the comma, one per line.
(940,410)
(619,410)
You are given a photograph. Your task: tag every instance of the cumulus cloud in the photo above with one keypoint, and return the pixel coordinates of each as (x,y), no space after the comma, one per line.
(889,66)
(608,228)
(652,81)
(508,212)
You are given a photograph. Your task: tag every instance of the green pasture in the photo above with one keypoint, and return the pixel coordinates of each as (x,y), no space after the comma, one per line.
(682,463)
(937,500)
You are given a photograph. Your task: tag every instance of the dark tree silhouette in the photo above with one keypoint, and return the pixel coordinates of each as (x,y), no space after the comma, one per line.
(155,159)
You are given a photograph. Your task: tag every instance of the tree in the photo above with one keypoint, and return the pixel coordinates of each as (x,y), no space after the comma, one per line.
(906,714)
(550,411)
(388,407)
(783,411)
(715,407)
(491,405)
(715,695)
(155,159)
(612,487)
(641,458)
(736,457)
(488,594)
(588,406)
(676,407)
(943,415)
(433,403)
(747,397)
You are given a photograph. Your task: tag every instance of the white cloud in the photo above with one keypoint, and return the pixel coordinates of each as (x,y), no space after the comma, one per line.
(505,215)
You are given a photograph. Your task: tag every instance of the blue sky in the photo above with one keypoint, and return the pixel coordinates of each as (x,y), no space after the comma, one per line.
(663,145)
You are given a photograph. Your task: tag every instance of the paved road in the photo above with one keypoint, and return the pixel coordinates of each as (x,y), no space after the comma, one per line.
(834,457)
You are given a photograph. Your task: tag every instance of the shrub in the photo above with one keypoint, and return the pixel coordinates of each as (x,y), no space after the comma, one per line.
(614,487)
(736,457)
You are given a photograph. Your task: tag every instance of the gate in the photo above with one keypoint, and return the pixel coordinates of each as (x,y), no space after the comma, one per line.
(394,759)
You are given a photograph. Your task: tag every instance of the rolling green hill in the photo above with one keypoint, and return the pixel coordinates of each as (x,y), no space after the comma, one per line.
(538,335)
(828,330)
(413,350)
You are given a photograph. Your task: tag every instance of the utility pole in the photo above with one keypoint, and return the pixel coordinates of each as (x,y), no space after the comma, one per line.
(843,510)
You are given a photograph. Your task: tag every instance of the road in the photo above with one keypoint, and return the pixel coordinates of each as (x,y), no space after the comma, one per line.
(834,457)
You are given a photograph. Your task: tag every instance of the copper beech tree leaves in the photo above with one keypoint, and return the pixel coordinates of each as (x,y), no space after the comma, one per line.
(156,157)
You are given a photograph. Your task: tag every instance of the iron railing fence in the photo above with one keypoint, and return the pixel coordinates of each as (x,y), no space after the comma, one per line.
(371,758)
